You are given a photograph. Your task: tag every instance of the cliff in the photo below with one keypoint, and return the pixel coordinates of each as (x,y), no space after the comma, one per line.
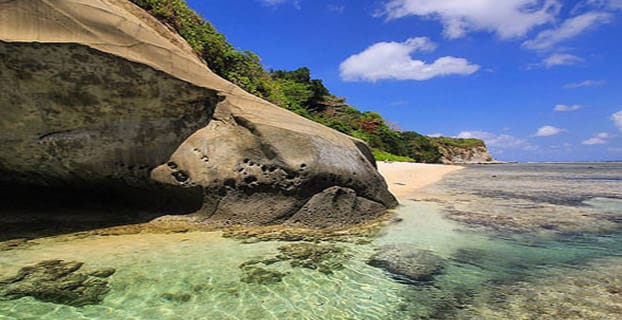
(462,151)
(101,96)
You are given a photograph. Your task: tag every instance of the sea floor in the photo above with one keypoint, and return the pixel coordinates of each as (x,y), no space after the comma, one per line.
(487,273)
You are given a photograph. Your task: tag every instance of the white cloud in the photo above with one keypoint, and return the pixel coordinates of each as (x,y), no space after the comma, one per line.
(507,18)
(565,108)
(497,141)
(548,131)
(435,135)
(336,8)
(568,29)
(392,60)
(585,84)
(274,3)
(561,59)
(617,119)
(602,4)
(599,138)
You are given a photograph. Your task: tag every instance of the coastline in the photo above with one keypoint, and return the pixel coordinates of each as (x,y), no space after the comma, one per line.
(405,179)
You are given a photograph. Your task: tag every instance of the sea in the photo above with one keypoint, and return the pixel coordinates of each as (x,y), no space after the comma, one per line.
(514,241)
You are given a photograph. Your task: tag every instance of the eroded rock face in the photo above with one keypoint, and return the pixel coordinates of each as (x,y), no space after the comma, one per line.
(79,118)
(460,155)
(257,171)
(99,93)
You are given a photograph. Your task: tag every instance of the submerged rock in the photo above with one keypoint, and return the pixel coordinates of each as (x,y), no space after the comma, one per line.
(58,282)
(176,297)
(324,258)
(406,263)
(258,275)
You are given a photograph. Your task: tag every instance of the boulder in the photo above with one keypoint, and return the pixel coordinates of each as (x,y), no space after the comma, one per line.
(407,263)
(103,96)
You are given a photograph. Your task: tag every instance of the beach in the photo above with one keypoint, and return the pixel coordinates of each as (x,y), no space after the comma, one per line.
(406,179)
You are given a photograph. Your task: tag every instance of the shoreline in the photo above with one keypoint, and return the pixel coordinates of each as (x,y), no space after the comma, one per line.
(405,179)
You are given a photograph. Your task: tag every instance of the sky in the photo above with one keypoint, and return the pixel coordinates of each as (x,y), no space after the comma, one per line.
(537,80)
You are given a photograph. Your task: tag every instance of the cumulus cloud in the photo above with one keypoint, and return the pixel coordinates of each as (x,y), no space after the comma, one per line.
(566,108)
(548,131)
(567,30)
(585,84)
(497,141)
(393,60)
(599,138)
(561,59)
(435,135)
(615,4)
(507,18)
(601,4)
(617,119)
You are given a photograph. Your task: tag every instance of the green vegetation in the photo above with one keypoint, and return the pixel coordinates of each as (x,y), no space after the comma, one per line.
(385,156)
(460,143)
(296,90)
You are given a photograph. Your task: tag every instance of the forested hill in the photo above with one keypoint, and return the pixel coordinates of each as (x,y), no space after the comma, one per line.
(297,91)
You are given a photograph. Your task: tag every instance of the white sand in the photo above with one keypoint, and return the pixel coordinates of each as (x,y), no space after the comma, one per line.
(406,179)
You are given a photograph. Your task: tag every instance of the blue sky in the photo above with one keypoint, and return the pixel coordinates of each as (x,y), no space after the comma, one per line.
(538,80)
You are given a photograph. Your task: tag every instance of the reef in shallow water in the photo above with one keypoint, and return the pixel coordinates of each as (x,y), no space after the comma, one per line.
(325,258)
(58,282)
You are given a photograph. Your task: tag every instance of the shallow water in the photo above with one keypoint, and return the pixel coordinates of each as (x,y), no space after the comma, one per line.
(490,273)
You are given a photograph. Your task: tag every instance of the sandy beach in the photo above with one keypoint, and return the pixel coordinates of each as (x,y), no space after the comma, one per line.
(405,178)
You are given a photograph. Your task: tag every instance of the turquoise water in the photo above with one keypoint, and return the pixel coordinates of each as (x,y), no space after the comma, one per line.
(490,273)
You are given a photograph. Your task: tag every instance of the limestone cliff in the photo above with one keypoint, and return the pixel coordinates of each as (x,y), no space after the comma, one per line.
(454,152)
(101,96)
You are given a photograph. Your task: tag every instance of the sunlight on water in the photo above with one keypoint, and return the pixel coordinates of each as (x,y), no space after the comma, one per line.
(484,274)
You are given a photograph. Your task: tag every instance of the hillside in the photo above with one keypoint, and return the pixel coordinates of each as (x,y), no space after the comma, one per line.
(298,92)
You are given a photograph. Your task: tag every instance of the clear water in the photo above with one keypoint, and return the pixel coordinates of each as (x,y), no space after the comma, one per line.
(492,271)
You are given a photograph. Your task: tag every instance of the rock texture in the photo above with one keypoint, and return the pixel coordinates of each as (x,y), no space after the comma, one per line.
(406,263)
(461,155)
(59,282)
(101,95)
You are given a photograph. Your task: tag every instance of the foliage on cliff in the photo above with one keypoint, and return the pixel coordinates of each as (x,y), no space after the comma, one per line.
(296,90)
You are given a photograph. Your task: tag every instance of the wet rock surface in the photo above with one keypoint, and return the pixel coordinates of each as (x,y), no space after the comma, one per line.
(408,264)
(259,275)
(58,282)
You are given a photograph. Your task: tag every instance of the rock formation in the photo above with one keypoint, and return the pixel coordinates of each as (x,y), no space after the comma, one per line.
(59,282)
(464,155)
(99,95)
(406,263)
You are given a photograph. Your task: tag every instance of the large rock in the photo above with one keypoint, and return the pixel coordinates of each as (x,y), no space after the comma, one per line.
(100,94)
